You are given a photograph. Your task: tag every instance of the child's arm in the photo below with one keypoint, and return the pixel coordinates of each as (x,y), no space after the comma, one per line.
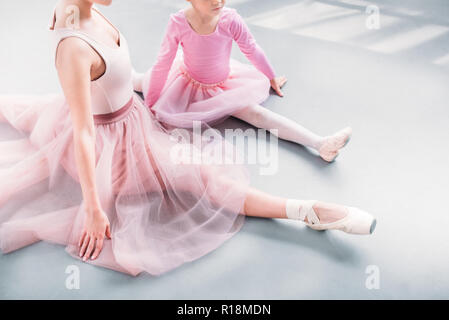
(159,71)
(247,44)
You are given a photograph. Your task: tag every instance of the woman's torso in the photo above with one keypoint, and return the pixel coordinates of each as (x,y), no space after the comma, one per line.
(113,89)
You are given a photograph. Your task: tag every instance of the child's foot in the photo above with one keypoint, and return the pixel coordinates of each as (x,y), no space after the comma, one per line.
(332,144)
(137,80)
(323,216)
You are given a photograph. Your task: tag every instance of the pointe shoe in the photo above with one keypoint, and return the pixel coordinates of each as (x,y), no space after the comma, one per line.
(329,150)
(355,222)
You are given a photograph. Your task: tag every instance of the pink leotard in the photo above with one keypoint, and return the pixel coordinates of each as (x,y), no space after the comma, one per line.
(113,89)
(206,57)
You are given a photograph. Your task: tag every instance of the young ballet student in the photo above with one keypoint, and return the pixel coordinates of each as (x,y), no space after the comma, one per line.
(94,172)
(205,84)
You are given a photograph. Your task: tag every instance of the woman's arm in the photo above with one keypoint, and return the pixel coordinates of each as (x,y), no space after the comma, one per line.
(159,71)
(74,61)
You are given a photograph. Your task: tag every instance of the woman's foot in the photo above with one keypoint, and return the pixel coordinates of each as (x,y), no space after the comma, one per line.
(332,144)
(327,213)
(324,216)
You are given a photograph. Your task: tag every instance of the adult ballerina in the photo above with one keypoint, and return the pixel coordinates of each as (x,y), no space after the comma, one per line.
(99,168)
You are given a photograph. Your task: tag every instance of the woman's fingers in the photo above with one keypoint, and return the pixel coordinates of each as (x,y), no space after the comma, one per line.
(108,231)
(90,248)
(98,247)
(81,238)
(84,245)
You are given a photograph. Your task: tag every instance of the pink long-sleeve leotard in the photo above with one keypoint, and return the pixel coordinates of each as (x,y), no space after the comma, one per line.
(206,57)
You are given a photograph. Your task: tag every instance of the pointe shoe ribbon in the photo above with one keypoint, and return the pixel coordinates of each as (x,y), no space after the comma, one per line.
(302,209)
(355,222)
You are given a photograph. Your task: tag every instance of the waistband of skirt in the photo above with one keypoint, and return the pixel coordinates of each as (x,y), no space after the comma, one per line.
(114,116)
(184,72)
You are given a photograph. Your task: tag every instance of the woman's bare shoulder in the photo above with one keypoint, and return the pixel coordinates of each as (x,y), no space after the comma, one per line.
(73,50)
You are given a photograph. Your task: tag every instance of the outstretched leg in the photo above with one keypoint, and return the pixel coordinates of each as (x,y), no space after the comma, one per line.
(22,175)
(317,214)
(261,117)
(23,111)
(15,150)
(262,204)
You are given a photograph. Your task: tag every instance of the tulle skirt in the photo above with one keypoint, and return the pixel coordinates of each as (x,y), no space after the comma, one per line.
(184,100)
(163,212)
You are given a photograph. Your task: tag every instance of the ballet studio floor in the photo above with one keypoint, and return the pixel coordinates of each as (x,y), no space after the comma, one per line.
(390,84)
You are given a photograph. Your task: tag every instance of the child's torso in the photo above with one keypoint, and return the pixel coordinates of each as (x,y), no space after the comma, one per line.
(206,57)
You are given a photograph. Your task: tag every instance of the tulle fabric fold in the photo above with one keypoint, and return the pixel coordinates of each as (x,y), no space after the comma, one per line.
(162,213)
(184,100)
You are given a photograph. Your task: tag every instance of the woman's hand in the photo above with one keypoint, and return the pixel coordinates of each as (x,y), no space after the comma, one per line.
(96,226)
(277,83)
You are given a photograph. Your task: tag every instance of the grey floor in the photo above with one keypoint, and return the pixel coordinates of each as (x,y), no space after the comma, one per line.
(390,84)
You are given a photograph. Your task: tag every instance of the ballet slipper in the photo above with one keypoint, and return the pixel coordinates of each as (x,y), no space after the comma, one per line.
(355,222)
(329,150)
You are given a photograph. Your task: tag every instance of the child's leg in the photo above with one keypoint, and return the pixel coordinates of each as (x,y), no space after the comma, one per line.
(261,117)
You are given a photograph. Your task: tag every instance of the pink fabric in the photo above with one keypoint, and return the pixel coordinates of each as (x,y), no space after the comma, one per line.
(206,59)
(114,88)
(113,116)
(162,213)
(184,100)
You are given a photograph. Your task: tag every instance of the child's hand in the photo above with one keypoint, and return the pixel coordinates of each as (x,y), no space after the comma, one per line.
(277,84)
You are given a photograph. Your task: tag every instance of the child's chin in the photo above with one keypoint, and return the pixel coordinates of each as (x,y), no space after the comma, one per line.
(103,2)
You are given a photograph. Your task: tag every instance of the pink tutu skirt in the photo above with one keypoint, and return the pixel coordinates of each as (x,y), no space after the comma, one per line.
(162,213)
(184,100)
